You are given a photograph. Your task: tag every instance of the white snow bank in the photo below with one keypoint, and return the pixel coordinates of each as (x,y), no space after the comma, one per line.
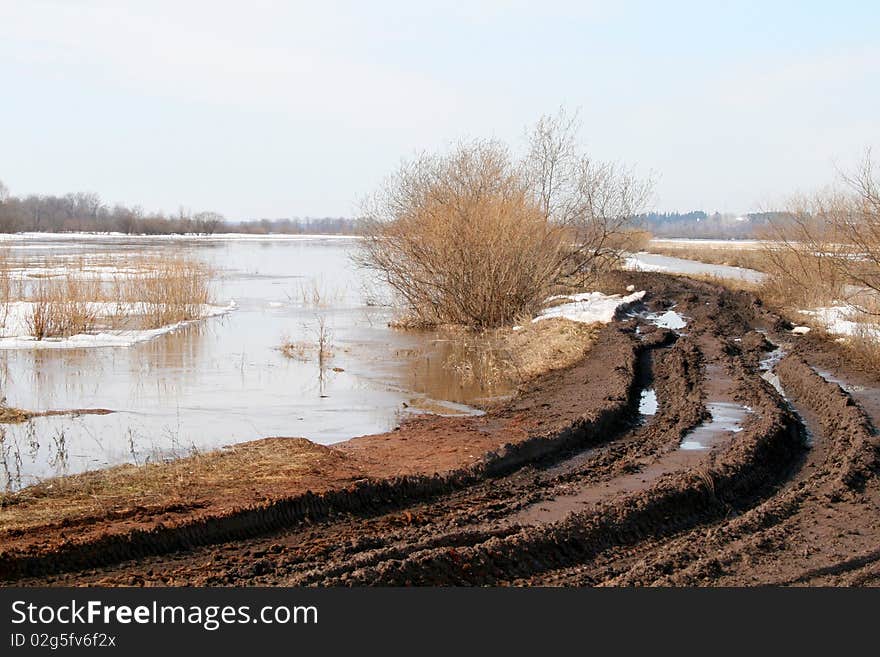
(590,307)
(839,321)
(14,332)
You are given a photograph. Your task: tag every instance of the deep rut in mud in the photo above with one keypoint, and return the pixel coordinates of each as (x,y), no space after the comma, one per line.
(724,481)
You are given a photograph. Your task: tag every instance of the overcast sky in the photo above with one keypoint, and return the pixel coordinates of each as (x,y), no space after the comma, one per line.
(274,109)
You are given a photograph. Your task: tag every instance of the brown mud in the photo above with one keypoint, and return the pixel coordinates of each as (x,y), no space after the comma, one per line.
(567,484)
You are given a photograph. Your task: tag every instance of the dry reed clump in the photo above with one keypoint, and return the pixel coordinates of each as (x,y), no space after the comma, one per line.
(504,357)
(304,350)
(8,286)
(173,289)
(864,348)
(264,463)
(316,294)
(12,415)
(61,308)
(152,291)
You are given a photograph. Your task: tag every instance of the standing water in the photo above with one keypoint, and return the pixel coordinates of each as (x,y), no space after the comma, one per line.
(223,380)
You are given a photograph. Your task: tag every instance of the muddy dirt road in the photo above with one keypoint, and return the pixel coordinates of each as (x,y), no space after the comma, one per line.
(700,443)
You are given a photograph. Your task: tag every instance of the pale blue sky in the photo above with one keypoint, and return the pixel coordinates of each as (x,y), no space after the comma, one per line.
(272,109)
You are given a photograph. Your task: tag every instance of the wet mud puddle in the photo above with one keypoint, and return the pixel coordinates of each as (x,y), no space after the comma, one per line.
(863,391)
(727,420)
(767,367)
(725,417)
(667,319)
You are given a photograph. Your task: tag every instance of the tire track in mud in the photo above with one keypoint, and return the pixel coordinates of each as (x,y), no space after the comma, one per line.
(549,442)
(493,498)
(733,514)
(773,533)
(701,490)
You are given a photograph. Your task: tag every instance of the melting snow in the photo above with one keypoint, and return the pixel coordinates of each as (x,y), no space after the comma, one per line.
(14,333)
(648,402)
(669,320)
(839,320)
(590,307)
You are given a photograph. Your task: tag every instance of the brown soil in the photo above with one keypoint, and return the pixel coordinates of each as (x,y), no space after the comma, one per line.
(564,485)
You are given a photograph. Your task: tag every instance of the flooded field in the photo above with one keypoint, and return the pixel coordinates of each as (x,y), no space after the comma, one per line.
(221,380)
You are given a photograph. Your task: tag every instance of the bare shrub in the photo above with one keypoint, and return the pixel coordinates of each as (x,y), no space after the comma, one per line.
(320,346)
(461,241)
(857,224)
(826,248)
(477,238)
(800,254)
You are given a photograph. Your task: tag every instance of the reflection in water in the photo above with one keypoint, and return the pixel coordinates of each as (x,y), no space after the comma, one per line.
(455,367)
(224,380)
(724,417)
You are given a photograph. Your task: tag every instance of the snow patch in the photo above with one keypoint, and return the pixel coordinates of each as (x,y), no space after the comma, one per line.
(839,320)
(14,332)
(648,402)
(668,320)
(590,307)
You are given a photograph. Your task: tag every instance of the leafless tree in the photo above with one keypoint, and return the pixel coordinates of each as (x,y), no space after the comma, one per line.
(597,201)
(478,237)
(826,247)
(857,222)
(207,223)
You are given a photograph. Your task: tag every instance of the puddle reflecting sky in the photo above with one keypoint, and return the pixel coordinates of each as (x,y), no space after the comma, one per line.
(726,417)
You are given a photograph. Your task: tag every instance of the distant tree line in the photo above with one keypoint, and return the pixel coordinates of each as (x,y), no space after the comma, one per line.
(700,224)
(295,226)
(86,212)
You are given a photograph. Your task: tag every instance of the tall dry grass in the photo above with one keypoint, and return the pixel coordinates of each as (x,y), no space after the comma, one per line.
(173,289)
(504,357)
(60,308)
(153,291)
